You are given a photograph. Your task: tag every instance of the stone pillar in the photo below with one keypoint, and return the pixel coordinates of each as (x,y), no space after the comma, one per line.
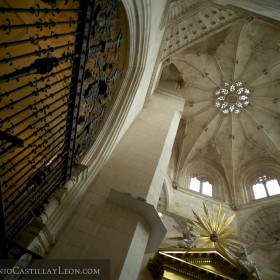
(117,219)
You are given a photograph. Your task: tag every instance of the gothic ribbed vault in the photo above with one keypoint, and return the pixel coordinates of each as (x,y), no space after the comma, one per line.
(230,82)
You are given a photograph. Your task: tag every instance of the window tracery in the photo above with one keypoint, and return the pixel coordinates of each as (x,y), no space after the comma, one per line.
(265,186)
(232,98)
(200,183)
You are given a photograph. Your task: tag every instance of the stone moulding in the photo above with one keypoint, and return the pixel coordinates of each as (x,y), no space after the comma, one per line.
(60,209)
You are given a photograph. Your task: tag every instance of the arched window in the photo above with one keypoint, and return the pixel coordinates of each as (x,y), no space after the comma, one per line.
(201,184)
(265,186)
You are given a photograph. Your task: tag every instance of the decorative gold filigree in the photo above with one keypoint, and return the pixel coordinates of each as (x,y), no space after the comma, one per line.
(214,231)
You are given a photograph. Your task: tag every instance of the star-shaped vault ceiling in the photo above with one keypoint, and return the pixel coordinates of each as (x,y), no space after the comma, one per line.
(246,52)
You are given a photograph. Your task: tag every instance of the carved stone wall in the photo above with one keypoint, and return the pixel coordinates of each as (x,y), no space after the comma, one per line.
(262,226)
(196,24)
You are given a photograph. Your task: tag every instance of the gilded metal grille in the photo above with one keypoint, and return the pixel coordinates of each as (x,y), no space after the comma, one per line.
(40,49)
(61,63)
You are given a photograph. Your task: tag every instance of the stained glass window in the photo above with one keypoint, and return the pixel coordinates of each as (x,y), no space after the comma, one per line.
(265,186)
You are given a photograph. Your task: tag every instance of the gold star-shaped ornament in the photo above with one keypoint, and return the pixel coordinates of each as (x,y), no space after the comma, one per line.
(215,231)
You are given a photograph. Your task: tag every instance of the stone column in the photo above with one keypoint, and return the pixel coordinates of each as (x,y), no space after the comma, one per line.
(117,219)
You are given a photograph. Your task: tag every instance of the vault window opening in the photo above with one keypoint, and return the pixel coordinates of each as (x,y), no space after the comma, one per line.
(265,186)
(201,184)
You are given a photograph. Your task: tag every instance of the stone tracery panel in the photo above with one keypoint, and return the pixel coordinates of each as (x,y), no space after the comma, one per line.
(196,25)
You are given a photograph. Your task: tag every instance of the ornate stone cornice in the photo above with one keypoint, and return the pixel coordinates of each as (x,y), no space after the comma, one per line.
(193,27)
